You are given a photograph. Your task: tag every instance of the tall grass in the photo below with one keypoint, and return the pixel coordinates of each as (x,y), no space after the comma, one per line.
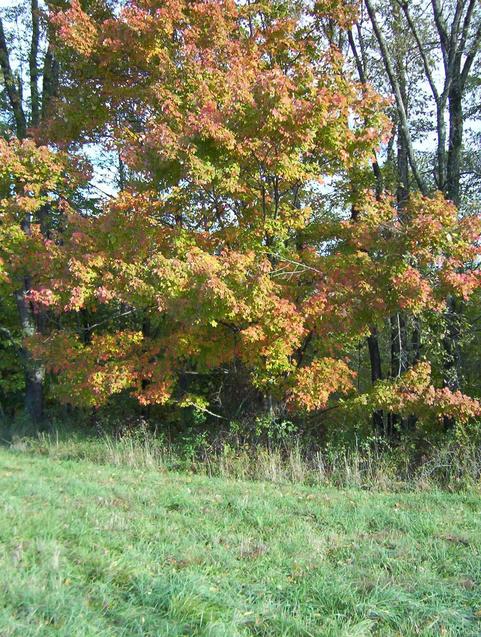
(452,466)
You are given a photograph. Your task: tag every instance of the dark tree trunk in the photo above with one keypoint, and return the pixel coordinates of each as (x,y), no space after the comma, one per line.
(33,64)
(34,370)
(50,81)
(453,177)
(12,88)
(415,349)
(452,363)
(399,354)
(376,374)
(452,354)
(374,355)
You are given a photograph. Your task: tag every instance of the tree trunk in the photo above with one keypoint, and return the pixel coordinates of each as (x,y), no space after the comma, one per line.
(50,81)
(452,361)
(453,176)
(399,359)
(29,325)
(33,64)
(12,88)
(34,370)
(376,374)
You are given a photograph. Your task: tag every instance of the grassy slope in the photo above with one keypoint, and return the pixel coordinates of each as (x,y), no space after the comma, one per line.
(100,550)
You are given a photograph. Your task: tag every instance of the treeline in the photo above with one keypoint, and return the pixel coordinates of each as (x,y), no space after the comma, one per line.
(220,215)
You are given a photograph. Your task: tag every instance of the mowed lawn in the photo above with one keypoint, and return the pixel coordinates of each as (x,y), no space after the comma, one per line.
(99,550)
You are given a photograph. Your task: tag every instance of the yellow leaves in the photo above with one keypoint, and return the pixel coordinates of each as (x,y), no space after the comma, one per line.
(344,14)
(112,379)
(90,374)
(201,263)
(192,400)
(414,393)
(81,270)
(112,345)
(34,172)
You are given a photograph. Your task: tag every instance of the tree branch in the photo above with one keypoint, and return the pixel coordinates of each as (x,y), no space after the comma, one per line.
(471,55)
(466,25)
(33,64)
(397,93)
(427,68)
(443,32)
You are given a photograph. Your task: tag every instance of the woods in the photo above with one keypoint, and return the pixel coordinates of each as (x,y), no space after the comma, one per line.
(218,213)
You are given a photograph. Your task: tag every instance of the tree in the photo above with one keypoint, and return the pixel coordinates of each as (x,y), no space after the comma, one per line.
(229,118)
(26,115)
(424,56)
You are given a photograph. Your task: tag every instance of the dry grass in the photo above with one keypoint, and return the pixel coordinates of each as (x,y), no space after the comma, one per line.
(452,466)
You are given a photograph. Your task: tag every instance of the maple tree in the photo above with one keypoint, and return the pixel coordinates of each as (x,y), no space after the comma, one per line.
(220,251)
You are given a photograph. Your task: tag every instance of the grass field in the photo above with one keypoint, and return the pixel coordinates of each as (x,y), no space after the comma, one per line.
(99,550)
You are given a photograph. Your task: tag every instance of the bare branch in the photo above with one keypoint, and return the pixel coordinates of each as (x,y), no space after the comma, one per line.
(471,55)
(466,25)
(357,59)
(443,32)
(427,67)
(33,64)
(398,95)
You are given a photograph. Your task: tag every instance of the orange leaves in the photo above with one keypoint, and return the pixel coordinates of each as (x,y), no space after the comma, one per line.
(224,89)
(76,28)
(104,295)
(315,383)
(157,393)
(91,373)
(413,292)
(41,298)
(459,282)
(430,224)
(35,173)
(34,180)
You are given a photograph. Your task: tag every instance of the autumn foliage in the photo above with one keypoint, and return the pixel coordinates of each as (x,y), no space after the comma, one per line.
(222,249)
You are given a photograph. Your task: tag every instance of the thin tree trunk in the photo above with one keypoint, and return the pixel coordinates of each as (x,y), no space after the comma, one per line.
(33,64)
(399,359)
(34,370)
(397,90)
(441,147)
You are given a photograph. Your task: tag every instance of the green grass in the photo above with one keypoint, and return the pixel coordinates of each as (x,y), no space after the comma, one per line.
(89,549)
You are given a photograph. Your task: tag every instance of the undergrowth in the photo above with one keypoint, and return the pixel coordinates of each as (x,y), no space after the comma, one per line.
(374,464)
